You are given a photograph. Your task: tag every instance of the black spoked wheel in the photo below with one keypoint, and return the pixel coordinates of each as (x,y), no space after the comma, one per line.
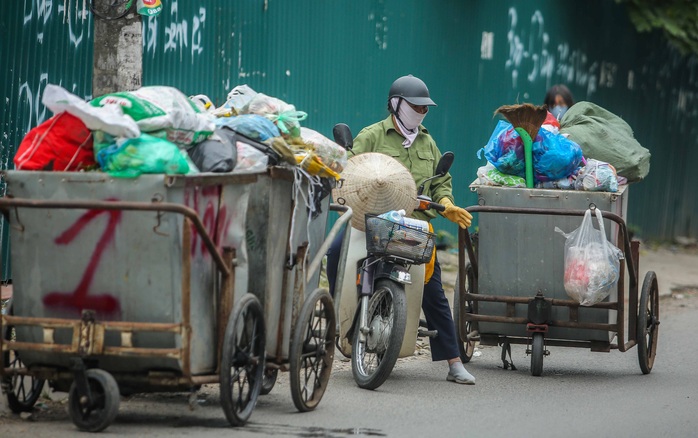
(466,330)
(373,358)
(312,350)
(269,380)
(537,353)
(111,9)
(648,322)
(242,362)
(95,416)
(22,390)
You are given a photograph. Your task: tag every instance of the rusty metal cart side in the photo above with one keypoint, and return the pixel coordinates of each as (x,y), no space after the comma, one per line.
(286,245)
(205,332)
(538,318)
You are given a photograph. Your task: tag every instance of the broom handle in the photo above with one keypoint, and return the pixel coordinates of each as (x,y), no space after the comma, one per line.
(528,155)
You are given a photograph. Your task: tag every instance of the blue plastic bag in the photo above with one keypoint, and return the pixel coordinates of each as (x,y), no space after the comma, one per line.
(251,126)
(554,156)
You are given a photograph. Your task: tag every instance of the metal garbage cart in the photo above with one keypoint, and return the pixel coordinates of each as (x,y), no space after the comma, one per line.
(129,285)
(286,236)
(510,286)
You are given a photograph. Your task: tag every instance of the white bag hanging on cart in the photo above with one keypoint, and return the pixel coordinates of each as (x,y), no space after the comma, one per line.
(592,263)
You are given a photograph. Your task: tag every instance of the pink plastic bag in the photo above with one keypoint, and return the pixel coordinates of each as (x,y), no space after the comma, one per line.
(592,263)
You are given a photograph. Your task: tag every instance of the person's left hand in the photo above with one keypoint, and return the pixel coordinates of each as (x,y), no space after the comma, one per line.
(456,214)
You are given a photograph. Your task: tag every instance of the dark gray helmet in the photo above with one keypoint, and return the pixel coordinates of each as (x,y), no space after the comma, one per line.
(412,89)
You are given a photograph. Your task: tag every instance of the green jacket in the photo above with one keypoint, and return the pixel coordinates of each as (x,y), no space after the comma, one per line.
(420,158)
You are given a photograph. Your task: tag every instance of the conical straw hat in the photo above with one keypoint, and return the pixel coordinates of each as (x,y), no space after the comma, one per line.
(375,183)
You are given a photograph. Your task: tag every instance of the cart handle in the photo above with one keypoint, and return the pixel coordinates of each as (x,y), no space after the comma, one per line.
(9,202)
(464,235)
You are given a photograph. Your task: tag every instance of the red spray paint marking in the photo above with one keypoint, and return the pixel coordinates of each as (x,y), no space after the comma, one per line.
(80,299)
(215,223)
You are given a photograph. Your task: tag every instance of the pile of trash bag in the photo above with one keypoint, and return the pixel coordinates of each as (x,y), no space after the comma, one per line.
(159,129)
(571,156)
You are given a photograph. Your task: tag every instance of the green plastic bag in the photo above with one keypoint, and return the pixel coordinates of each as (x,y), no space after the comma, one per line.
(132,157)
(606,137)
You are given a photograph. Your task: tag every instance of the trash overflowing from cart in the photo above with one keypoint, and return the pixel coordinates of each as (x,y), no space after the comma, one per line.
(532,274)
(159,246)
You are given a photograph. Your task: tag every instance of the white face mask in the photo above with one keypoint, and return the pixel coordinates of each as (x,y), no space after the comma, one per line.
(408,121)
(410,118)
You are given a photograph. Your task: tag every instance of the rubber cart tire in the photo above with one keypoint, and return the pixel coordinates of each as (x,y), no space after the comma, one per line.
(105,402)
(312,350)
(648,322)
(461,307)
(24,390)
(537,353)
(373,359)
(242,360)
(269,380)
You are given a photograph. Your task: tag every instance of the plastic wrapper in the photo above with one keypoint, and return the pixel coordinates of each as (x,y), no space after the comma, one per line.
(162,108)
(146,154)
(311,163)
(333,155)
(592,263)
(489,175)
(597,176)
(249,159)
(554,156)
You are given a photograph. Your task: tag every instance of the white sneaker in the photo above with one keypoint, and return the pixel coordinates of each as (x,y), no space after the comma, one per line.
(461,376)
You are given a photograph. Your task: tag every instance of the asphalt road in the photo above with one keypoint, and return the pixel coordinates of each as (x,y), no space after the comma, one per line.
(580,394)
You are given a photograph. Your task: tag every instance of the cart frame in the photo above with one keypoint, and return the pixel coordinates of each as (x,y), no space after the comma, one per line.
(467,323)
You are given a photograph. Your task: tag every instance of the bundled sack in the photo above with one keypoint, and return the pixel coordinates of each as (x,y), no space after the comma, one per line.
(129,158)
(606,137)
(61,143)
(597,176)
(217,154)
(592,263)
(554,156)
(163,108)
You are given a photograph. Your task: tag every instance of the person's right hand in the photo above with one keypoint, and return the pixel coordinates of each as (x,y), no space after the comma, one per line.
(456,214)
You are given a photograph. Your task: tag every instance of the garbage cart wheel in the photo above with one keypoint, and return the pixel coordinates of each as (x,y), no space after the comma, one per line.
(102,411)
(312,350)
(648,322)
(269,380)
(465,330)
(242,362)
(372,360)
(22,390)
(537,354)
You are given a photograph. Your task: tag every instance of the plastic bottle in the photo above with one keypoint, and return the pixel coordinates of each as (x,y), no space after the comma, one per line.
(396,216)
(416,224)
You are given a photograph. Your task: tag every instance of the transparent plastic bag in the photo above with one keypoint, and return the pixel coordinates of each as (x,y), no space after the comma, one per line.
(592,263)
(597,176)
(333,155)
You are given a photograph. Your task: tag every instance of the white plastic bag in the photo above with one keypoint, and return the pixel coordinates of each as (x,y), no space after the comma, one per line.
(110,119)
(250,159)
(592,263)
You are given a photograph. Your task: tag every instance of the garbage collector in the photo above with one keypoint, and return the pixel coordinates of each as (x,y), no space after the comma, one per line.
(402,136)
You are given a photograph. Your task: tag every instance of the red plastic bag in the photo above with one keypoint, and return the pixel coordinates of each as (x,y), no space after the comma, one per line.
(61,143)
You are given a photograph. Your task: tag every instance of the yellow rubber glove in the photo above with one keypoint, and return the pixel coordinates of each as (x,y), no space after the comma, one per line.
(456,214)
